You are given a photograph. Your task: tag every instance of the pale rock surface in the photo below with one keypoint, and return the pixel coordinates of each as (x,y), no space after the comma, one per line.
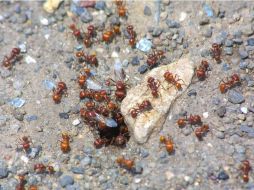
(149,121)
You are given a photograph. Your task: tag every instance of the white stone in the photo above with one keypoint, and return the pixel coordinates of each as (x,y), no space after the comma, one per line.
(169,175)
(183,16)
(114,54)
(44,21)
(205,115)
(244,110)
(46,36)
(76,122)
(24,159)
(29,59)
(145,123)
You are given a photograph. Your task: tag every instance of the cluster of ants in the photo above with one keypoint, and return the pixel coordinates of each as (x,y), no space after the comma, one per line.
(201,131)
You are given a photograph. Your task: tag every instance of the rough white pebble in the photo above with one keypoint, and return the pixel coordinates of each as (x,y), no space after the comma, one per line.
(205,115)
(76,122)
(29,59)
(183,16)
(24,159)
(244,110)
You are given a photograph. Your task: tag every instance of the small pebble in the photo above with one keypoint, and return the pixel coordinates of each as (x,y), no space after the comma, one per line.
(76,122)
(204,21)
(17,102)
(78,170)
(192,92)
(30,118)
(220,135)
(223,176)
(235,97)
(221,111)
(156,32)
(86,161)
(100,5)
(49,85)
(208,10)
(142,69)
(86,16)
(144,45)
(64,115)
(205,115)
(228,50)
(250,42)
(172,24)
(18,115)
(183,16)
(135,60)
(30,60)
(147,11)
(44,21)
(66,180)
(22,47)
(243,54)
(244,110)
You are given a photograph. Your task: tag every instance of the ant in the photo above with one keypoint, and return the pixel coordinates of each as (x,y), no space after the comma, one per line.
(234,80)
(41,168)
(108,35)
(59,91)
(89,59)
(132,34)
(168,142)
(21,184)
(145,105)
(201,131)
(87,36)
(86,94)
(120,92)
(153,84)
(202,70)
(192,120)
(98,143)
(9,60)
(82,80)
(245,167)
(154,58)
(89,116)
(126,163)
(65,143)
(216,52)
(26,143)
(33,187)
(170,78)
(75,31)
(120,8)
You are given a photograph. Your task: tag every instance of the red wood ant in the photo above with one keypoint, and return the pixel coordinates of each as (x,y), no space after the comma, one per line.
(98,143)
(9,60)
(88,116)
(132,34)
(234,79)
(33,187)
(41,168)
(89,59)
(75,31)
(192,120)
(168,142)
(126,163)
(154,58)
(216,52)
(86,94)
(201,131)
(21,184)
(154,85)
(170,78)
(120,92)
(108,35)
(87,36)
(65,143)
(202,70)
(82,80)
(245,167)
(144,106)
(26,143)
(59,91)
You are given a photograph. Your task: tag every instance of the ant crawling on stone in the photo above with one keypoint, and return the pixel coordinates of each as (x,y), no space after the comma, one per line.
(216,52)
(144,106)
(153,84)
(173,79)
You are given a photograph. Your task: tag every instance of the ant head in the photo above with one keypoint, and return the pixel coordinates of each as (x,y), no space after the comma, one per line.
(162,139)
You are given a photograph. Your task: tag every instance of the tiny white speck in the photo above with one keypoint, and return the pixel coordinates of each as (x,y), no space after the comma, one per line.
(76,122)
(29,59)
(46,36)
(44,21)
(114,54)
(24,159)
(183,16)
(244,110)
(205,115)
